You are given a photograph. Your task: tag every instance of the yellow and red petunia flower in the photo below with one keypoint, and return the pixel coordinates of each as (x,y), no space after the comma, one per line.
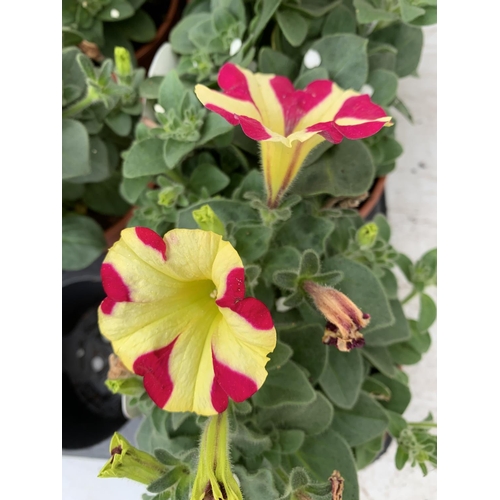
(287,122)
(176,314)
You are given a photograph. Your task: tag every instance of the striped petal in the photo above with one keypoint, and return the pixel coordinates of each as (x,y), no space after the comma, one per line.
(168,304)
(287,122)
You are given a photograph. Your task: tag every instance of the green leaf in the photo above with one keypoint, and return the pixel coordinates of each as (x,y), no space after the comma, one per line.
(308,350)
(104,197)
(72,73)
(145,158)
(209,177)
(363,422)
(385,86)
(339,20)
(376,389)
(286,385)
(364,289)
(119,123)
(429,18)
(313,418)
(312,8)
(174,151)
(259,486)
(367,13)
(408,40)
(345,58)
(401,457)
(408,11)
(396,423)
(406,266)
(99,163)
(400,394)
(171,91)
(214,126)
(397,332)
(165,457)
(138,28)
(305,78)
(390,284)
(75,149)
(325,453)
(305,232)
(131,189)
(272,61)
(427,314)
(380,358)
(404,353)
(72,192)
(150,88)
(227,211)
(421,341)
(293,26)
(291,440)
(342,377)
(179,36)
(344,170)
(402,108)
(258,24)
(285,258)
(164,482)
(82,242)
(279,357)
(367,452)
(298,478)
(252,241)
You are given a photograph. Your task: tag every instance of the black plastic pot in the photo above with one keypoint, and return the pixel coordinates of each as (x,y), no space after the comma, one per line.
(90,412)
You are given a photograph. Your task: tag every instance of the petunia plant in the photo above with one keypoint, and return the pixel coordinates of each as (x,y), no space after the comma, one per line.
(255,315)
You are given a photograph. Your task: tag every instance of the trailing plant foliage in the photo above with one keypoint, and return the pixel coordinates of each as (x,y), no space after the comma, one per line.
(106,24)
(100,108)
(322,414)
(320,409)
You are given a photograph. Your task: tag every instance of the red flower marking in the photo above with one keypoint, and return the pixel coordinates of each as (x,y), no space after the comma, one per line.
(234,83)
(218,397)
(296,103)
(254,129)
(236,385)
(153,366)
(152,239)
(252,310)
(230,117)
(115,288)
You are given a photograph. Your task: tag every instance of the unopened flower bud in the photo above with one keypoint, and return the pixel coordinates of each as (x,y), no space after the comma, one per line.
(127,461)
(367,235)
(344,319)
(123,63)
(207,220)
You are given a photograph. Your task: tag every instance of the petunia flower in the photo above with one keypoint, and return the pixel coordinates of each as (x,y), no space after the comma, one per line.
(176,314)
(343,318)
(287,122)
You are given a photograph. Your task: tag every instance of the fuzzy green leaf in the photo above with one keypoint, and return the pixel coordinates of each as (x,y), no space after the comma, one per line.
(145,158)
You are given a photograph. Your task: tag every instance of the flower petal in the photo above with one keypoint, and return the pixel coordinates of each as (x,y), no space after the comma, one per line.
(164,330)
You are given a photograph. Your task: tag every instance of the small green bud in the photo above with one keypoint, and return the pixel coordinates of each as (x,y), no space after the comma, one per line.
(367,235)
(131,386)
(123,62)
(168,195)
(207,220)
(127,461)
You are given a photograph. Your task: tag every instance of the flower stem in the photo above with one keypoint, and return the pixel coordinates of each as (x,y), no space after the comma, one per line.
(409,296)
(425,425)
(79,106)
